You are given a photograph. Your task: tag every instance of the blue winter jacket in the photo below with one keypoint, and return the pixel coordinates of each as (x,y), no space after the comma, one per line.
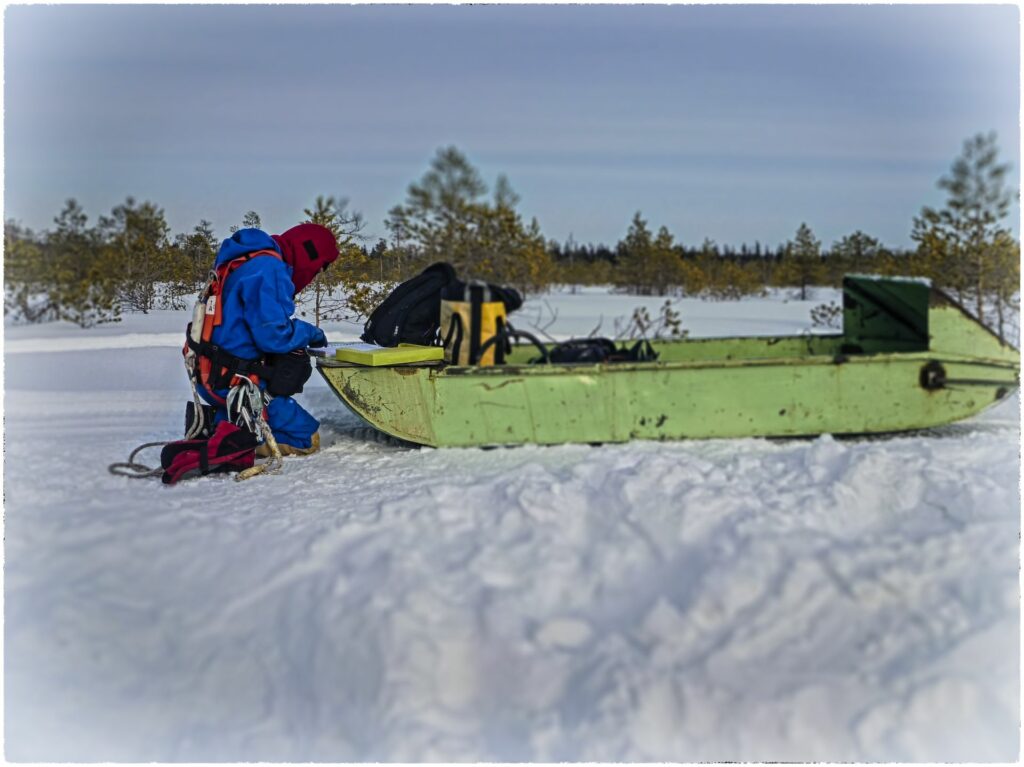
(258,302)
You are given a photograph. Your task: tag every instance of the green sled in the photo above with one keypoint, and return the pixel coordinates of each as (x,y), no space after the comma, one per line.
(909,357)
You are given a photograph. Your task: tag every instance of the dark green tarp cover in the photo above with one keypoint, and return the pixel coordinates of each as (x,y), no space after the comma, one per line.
(885,315)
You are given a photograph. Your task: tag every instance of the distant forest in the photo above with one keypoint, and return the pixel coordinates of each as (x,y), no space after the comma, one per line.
(129,260)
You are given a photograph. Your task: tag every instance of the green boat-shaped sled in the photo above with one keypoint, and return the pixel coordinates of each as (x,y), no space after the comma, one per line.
(909,357)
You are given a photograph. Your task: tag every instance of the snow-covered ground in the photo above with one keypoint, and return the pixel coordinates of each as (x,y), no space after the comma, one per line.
(817,599)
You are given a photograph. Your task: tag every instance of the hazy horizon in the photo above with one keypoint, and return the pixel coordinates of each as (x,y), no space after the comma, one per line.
(730,122)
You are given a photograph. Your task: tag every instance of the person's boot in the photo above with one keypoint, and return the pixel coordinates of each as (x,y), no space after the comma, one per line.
(263,450)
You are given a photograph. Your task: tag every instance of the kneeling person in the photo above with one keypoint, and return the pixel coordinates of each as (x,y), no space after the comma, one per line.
(254,330)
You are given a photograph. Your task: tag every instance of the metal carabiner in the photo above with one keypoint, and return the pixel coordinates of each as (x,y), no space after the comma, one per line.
(245,405)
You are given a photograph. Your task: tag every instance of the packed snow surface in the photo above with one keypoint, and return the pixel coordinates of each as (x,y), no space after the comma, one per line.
(821,599)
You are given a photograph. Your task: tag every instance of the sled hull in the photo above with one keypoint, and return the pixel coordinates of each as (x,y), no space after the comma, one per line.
(700,389)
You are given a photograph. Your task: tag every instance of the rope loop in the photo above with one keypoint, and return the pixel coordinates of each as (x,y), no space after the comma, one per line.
(134,470)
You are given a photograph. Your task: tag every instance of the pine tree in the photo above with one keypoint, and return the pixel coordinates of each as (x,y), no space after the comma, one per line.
(960,238)
(855,252)
(437,218)
(709,261)
(648,264)
(634,254)
(665,262)
(446,217)
(251,220)
(136,237)
(378,254)
(801,264)
(694,275)
(1004,281)
(27,276)
(345,290)
(194,256)
(84,278)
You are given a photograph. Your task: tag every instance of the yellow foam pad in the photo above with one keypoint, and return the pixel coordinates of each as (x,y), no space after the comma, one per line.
(374,356)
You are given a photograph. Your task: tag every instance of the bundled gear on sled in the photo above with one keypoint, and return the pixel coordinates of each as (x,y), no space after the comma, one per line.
(435,308)
(470,320)
(593,350)
(246,356)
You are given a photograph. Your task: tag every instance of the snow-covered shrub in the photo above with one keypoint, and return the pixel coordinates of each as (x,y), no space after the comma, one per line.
(667,324)
(828,315)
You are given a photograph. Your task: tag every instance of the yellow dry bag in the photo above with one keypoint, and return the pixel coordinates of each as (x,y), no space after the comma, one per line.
(469,319)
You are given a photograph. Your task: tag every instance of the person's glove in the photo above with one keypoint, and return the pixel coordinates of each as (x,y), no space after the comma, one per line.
(320,339)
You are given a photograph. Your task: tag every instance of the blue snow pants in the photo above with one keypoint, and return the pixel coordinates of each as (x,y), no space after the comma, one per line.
(288,420)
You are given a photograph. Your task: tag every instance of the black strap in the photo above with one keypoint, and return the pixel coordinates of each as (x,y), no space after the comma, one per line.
(503,341)
(476,307)
(455,324)
(235,365)
(204,459)
(642,351)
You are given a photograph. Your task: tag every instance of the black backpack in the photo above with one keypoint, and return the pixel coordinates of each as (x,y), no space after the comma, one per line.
(412,313)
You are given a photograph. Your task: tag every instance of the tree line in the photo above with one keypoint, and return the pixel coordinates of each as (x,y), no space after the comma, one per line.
(129,261)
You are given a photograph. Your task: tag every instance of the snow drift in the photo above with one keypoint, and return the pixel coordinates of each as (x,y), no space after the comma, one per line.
(724,600)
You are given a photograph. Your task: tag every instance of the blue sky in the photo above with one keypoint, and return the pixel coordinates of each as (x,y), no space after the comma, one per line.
(729,122)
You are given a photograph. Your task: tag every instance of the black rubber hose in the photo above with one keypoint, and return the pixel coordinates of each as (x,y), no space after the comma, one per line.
(512,333)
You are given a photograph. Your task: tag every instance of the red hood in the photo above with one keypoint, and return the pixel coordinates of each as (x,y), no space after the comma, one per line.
(307,248)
